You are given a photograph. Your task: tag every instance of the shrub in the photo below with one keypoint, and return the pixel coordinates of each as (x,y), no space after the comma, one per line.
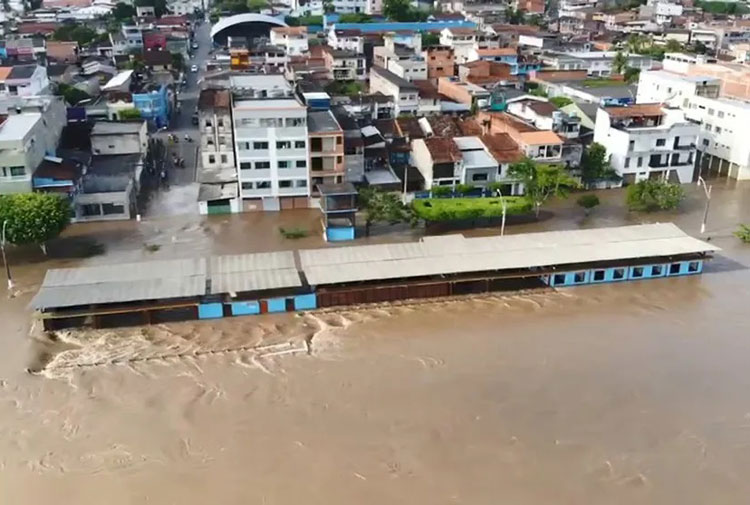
(587,202)
(743,233)
(465,189)
(454,209)
(438,191)
(293,233)
(560,101)
(650,196)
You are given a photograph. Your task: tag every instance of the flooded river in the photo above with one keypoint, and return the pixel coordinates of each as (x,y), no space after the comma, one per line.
(617,394)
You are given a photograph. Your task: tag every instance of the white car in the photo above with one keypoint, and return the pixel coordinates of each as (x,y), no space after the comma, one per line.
(194,68)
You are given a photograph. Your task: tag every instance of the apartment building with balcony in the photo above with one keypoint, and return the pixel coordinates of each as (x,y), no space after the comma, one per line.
(461,40)
(271,149)
(292,38)
(662,86)
(345,65)
(326,145)
(440,61)
(215,126)
(404,93)
(544,146)
(648,141)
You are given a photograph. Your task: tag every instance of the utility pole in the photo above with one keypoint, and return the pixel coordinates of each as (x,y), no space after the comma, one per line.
(5,259)
(707,192)
(502,223)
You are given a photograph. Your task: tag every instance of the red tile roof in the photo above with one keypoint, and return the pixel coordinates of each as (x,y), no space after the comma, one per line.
(443,150)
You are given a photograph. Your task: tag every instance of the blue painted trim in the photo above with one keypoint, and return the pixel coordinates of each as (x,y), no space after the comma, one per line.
(633,273)
(306,302)
(245,308)
(210,311)
(276,305)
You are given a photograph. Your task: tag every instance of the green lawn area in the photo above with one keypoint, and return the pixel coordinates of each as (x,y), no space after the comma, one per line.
(454,209)
(602,83)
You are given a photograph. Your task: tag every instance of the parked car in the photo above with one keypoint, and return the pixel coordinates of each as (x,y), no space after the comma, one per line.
(194,68)
(194,118)
(195,45)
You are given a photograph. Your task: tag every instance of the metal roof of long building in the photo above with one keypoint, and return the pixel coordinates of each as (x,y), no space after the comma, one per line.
(253,272)
(455,254)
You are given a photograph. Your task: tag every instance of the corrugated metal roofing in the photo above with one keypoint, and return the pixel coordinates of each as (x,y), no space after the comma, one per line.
(249,262)
(455,254)
(253,272)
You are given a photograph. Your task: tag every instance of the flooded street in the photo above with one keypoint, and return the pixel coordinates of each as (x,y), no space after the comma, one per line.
(618,394)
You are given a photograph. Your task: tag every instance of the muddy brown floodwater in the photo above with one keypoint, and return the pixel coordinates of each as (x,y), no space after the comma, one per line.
(616,394)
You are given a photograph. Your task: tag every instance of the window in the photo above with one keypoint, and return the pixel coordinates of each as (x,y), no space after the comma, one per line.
(91,210)
(260,165)
(111,208)
(479,177)
(656,270)
(209,142)
(661,142)
(720,113)
(708,127)
(260,146)
(294,121)
(618,274)
(718,129)
(579,277)
(599,275)
(17,171)
(285,184)
(211,159)
(263,184)
(637,272)
(627,163)
(674,268)
(246,122)
(710,112)
(245,165)
(631,145)
(693,266)
(339,159)
(248,185)
(339,141)
(301,183)
(705,142)
(299,144)
(271,122)
(243,146)
(640,161)
(301,163)
(283,164)
(208,123)
(223,158)
(559,279)
(220,123)
(283,144)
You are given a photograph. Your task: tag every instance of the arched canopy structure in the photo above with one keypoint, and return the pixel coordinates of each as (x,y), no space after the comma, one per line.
(248,25)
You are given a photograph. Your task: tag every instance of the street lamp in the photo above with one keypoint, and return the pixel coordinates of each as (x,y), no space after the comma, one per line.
(505,208)
(5,259)
(707,191)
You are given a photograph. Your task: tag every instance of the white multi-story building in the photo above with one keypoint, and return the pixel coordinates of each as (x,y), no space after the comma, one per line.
(664,12)
(270,142)
(412,69)
(292,38)
(661,86)
(404,93)
(599,63)
(315,7)
(462,40)
(648,141)
(723,146)
(346,40)
(575,8)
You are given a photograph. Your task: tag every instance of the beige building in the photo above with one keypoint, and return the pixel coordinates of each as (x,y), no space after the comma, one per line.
(326,140)
(215,125)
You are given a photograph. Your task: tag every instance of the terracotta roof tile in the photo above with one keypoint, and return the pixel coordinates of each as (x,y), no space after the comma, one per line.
(443,150)
(645,109)
(502,147)
(541,137)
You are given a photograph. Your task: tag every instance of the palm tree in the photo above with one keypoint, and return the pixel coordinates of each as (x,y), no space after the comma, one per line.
(619,63)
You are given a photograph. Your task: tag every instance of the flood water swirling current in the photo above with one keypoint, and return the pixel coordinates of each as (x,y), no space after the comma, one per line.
(632,393)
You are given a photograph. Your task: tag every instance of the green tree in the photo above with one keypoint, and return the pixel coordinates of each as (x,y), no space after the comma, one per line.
(382,207)
(34,218)
(652,195)
(355,17)
(743,233)
(513,17)
(560,101)
(636,43)
(632,75)
(328,7)
(123,11)
(673,46)
(587,202)
(595,165)
(541,181)
(430,39)
(619,63)
(71,94)
(397,10)
(75,32)
(178,61)
(257,5)
(126,114)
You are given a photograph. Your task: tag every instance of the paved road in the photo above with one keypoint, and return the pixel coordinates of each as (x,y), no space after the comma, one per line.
(182,190)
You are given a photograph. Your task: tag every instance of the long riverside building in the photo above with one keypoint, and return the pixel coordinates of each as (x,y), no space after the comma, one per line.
(246,284)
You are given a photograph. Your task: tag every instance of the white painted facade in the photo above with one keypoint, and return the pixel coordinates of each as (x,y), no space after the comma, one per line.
(271,148)
(346,42)
(294,44)
(405,94)
(410,69)
(666,151)
(462,43)
(723,139)
(661,86)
